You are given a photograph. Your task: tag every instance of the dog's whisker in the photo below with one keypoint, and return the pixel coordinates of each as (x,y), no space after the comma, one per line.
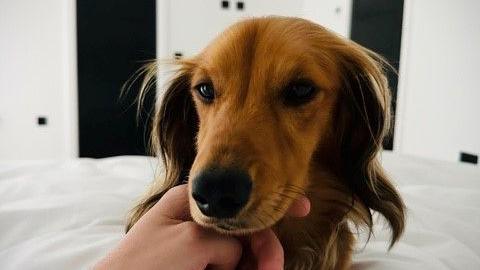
(285,195)
(298,191)
(293,189)
(272,219)
(292,186)
(260,220)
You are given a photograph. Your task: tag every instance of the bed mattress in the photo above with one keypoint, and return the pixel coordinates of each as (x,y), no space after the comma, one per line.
(66,215)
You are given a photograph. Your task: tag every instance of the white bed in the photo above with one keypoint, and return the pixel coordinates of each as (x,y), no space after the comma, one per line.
(65,215)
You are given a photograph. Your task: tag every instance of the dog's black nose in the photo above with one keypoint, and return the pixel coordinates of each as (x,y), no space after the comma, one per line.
(221,192)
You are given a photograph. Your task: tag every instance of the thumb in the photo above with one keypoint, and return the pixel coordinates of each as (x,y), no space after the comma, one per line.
(267,250)
(173,204)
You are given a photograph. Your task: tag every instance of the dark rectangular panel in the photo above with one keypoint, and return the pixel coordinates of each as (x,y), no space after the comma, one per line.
(114,37)
(377,25)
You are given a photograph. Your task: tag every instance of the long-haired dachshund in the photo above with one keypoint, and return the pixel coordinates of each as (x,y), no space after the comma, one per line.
(273,108)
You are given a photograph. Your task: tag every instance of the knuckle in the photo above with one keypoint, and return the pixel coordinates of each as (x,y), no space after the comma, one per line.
(192,230)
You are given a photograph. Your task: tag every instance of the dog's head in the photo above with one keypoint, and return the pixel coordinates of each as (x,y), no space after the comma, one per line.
(249,119)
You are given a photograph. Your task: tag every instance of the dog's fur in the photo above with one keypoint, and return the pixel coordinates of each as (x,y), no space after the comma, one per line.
(326,148)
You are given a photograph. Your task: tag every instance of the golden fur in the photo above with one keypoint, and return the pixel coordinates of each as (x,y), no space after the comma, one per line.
(326,149)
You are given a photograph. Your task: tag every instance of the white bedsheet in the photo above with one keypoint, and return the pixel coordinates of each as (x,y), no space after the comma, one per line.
(66,215)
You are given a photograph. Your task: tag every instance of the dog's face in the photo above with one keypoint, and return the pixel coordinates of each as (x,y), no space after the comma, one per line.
(264,99)
(253,118)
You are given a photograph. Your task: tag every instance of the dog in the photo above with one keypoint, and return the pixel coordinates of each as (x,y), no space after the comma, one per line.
(275,108)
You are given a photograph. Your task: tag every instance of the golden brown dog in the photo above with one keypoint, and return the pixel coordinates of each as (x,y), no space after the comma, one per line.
(273,108)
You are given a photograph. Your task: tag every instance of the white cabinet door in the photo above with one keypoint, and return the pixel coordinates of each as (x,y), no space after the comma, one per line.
(194,23)
(438,113)
(333,14)
(37,79)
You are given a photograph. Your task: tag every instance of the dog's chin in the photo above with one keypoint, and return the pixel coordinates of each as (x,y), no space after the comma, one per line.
(231,226)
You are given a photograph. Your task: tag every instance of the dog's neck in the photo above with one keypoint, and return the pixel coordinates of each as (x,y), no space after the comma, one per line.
(320,239)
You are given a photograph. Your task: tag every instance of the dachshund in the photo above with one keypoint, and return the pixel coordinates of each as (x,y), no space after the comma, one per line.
(275,108)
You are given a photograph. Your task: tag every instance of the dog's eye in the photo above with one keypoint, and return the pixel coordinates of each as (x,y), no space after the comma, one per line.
(206,91)
(299,92)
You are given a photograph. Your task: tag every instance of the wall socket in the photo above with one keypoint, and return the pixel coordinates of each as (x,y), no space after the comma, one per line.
(42,121)
(225,4)
(177,55)
(468,158)
(240,5)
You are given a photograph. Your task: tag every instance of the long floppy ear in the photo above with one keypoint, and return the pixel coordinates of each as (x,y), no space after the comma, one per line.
(174,129)
(364,117)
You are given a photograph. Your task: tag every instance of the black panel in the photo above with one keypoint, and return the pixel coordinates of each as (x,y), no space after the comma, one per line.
(377,25)
(114,37)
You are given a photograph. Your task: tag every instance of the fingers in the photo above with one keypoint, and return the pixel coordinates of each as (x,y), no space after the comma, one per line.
(267,250)
(224,252)
(174,204)
(300,207)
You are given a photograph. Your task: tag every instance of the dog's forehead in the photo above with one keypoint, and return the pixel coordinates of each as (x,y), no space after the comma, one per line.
(254,43)
(262,49)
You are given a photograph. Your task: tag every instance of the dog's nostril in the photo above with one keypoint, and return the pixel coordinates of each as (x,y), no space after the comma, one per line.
(221,192)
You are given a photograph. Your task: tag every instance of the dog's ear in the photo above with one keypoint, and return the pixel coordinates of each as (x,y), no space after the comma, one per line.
(174,128)
(363,121)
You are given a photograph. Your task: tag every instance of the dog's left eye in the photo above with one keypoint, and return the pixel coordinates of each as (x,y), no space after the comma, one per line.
(206,90)
(299,92)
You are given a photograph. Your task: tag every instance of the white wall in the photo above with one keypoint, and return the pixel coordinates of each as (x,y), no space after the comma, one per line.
(437,102)
(38,61)
(37,78)
(333,14)
(439,95)
(192,24)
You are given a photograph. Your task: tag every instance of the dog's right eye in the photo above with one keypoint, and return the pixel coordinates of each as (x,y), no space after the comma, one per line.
(206,91)
(299,92)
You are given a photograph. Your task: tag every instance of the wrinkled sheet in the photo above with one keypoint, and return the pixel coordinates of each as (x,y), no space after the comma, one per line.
(66,215)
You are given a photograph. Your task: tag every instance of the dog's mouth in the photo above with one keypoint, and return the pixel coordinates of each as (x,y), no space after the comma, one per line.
(232,226)
(228,226)
(249,221)
(225,199)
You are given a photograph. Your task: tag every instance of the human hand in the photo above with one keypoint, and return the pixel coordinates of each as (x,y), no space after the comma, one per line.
(165,238)
(263,250)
